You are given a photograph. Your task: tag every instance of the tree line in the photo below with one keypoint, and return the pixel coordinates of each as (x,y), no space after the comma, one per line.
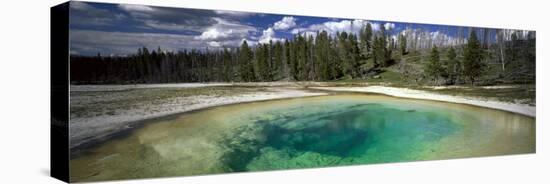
(305,57)
(518,55)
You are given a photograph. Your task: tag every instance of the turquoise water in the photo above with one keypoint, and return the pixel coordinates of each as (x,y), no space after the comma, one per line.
(351,133)
(304,133)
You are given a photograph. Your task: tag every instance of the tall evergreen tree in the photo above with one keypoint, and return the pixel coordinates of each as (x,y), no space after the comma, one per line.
(378,51)
(512,50)
(310,73)
(453,66)
(334,60)
(300,56)
(278,56)
(261,57)
(366,40)
(245,62)
(473,58)
(433,68)
(355,55)
(322,53)
(343,51)
(227,65)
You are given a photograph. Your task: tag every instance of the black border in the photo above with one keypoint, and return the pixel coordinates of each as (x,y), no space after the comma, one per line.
(59,88)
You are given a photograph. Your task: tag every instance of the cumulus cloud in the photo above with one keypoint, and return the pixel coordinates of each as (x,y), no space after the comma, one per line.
(388,26)
(268,35)
(136,8)
(176,29)
(212,34)
(225,32)
(214,44)
(172,29)
(211,25)
(375,26)
(353,26)
(285,24)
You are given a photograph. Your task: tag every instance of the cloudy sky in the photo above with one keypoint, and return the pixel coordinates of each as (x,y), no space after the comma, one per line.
(119,29)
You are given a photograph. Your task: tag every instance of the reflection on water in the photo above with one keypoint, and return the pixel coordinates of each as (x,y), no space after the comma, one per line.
(306,132)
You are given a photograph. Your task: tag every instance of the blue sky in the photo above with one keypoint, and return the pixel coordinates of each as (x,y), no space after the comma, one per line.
(119,29)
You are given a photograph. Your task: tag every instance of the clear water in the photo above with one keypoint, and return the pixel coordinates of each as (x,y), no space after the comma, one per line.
(304,133)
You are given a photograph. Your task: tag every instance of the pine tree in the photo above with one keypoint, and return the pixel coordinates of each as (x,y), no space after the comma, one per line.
(512,49)
(245,61)
(433,68)
(387,48)
(366,40)
(290,54)
(278,59)
(343,51)
(355,56)
(227,67)
(378,51)
(334,59)
(473,57)
(300,50)
(453,67)
(322,52)
(310,73)
(262,62)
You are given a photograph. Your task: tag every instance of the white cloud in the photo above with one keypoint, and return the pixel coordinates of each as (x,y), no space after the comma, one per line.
(267,35)
(388,26)
(135,7)
(212,34)
(353,26)
(285,23)
(375,26)
(214,44)
(236,14)
(224,31)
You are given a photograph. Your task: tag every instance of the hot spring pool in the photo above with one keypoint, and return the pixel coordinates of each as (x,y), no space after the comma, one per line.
(336,130)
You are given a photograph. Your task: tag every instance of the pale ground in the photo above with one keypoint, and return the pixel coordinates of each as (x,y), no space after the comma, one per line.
(101,110)
(89,88)
(110,109)
(424,95)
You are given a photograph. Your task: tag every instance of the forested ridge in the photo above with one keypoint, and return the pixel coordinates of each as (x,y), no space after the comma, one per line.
(508,57)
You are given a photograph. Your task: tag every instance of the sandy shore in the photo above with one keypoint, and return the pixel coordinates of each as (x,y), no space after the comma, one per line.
(89,88)
(524,109)
(102,118)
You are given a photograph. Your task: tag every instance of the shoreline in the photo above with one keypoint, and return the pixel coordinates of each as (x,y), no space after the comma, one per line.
(522,109)
(83,130)
(91,126)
